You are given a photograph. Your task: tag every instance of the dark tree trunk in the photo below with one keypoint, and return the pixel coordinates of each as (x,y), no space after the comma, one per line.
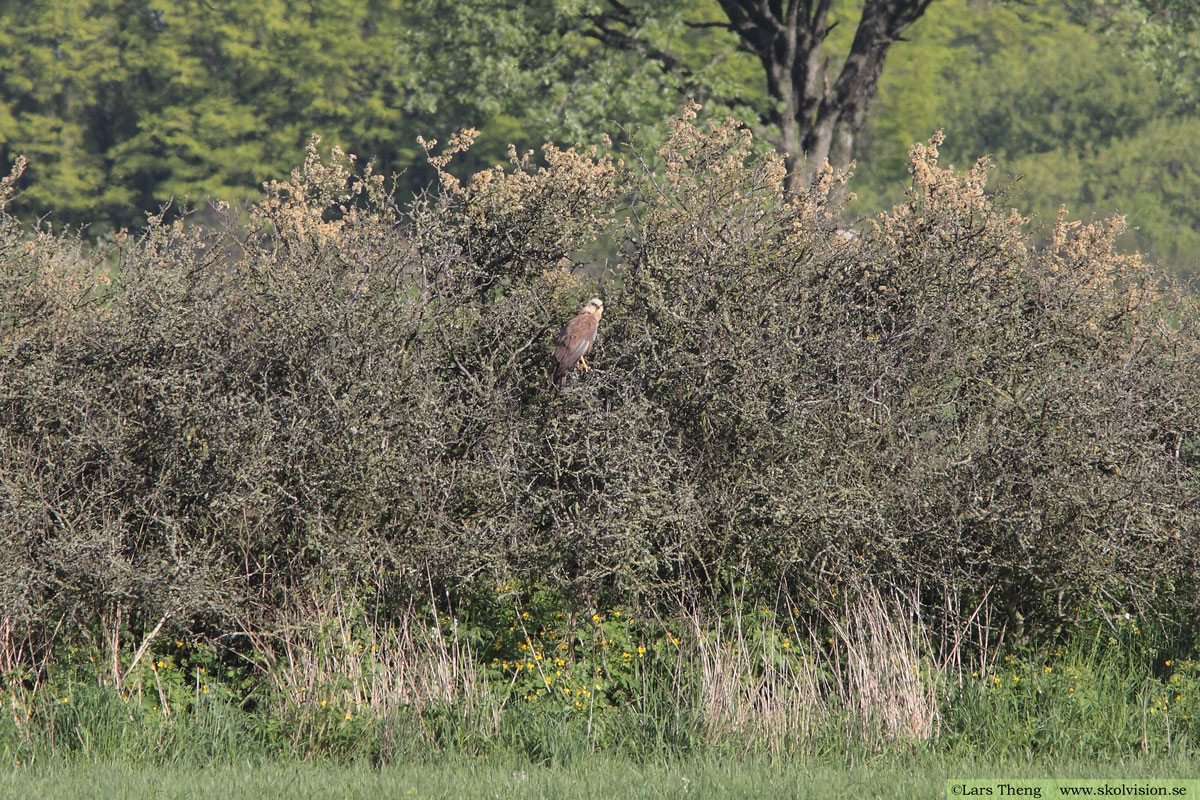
(819,112)
(818,109)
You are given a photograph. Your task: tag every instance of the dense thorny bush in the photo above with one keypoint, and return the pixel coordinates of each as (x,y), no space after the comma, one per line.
(348,395)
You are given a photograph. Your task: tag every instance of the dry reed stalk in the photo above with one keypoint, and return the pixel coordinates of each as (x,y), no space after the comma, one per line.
(882,668)
(749,686)
(409,663)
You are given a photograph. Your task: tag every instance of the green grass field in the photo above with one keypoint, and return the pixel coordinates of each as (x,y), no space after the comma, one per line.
(915,776)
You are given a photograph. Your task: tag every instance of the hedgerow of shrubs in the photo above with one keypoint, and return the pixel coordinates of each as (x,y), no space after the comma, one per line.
(341,393)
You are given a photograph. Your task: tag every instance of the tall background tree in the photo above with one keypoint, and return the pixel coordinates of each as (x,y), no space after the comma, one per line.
(818,102)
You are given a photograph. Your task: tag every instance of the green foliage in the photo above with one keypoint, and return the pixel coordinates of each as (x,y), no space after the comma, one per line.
(1069,117)
(1162,34)
(1148,179)
(162,720)
(121,107)
(1110,687)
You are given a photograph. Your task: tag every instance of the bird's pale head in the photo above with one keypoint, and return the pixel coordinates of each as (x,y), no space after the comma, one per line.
(595,306)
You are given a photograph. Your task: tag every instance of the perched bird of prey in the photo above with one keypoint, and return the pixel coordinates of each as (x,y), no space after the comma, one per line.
(576,341)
